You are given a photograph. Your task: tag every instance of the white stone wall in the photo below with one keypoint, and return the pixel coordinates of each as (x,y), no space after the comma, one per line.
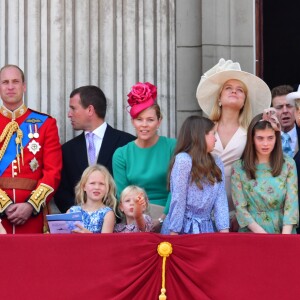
(228,30)
(207,30)
(63,44)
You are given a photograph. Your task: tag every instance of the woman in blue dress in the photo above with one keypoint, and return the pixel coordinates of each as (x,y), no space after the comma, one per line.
(197,182)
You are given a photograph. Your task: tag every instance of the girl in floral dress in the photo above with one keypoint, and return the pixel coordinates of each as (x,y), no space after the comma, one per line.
(95,196)
(132,206)
(264,181)
(197,182)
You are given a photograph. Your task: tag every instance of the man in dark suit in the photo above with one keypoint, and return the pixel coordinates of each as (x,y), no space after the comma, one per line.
(286,116)
(282,101)
(87,112)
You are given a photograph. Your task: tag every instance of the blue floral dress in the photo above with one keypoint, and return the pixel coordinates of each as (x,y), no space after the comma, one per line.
(269,201)
(93,221)
(191,208)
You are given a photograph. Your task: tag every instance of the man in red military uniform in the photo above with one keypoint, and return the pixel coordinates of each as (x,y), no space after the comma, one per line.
(30,157)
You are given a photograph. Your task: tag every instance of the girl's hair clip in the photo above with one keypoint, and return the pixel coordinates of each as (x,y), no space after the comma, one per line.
(270,116)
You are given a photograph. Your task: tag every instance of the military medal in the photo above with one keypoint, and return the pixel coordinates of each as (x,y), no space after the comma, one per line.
(34,147)
(34,164)
(36,134)
(30,134)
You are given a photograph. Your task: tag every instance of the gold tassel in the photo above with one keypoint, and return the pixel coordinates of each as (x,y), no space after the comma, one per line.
(20,136)
(164,249)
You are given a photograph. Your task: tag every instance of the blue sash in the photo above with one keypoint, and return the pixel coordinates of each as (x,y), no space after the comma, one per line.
(10,153)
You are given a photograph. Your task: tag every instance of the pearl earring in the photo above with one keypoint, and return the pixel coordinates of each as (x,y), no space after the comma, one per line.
(220,104)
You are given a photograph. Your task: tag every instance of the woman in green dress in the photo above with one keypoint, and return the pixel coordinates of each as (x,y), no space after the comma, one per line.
(264,181)
(145,161)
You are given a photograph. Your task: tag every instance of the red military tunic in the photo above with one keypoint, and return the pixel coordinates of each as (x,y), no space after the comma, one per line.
(35,176)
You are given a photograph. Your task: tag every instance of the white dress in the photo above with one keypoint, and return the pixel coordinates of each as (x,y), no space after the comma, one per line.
(232,152)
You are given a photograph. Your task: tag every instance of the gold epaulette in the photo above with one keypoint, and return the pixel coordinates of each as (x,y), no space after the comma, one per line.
(5,201)
(39,196)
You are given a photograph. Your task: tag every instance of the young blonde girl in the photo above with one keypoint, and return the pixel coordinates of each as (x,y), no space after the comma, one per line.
(95,196)
(133,204)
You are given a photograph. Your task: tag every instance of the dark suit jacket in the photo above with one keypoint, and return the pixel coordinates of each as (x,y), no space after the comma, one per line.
(75,161)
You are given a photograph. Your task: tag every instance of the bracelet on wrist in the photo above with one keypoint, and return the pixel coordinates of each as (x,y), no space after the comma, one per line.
(160,220)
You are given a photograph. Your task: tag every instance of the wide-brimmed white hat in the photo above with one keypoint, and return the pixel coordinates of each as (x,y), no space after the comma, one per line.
(294,95)
(213,80)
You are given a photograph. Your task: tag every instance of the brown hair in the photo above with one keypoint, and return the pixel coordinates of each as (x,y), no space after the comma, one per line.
(249,157)
(191,139)
(281,90)
(92,95)
(16,67)
(156,108)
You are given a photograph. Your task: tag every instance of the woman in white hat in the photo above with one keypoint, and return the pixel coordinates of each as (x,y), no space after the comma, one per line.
(230,97)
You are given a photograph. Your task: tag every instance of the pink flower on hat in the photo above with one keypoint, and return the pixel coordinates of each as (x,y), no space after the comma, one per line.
(141,96)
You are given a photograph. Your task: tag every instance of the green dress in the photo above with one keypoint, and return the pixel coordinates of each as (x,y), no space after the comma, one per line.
(146,168)
(269,201)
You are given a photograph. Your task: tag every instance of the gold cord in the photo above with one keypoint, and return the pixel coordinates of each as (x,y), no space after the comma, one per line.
(6,135)
(164,249)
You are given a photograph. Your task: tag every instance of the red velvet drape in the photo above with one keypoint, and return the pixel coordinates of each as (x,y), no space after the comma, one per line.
(127,266)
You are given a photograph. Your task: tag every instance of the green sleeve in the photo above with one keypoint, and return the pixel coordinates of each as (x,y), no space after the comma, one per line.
(291,210)
(240,202)
(119,171)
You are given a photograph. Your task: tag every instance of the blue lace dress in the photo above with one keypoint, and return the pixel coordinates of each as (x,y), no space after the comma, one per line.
(191,208)
(93,221)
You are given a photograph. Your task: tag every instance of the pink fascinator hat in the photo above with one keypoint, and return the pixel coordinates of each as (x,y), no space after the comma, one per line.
(141,96)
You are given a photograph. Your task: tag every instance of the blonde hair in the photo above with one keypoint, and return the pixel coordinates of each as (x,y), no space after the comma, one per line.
(133,189)
(297,103)
(110,196)
(245,112)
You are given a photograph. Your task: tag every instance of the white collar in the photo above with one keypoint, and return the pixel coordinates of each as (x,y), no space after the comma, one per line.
(99,131)
(292,133)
